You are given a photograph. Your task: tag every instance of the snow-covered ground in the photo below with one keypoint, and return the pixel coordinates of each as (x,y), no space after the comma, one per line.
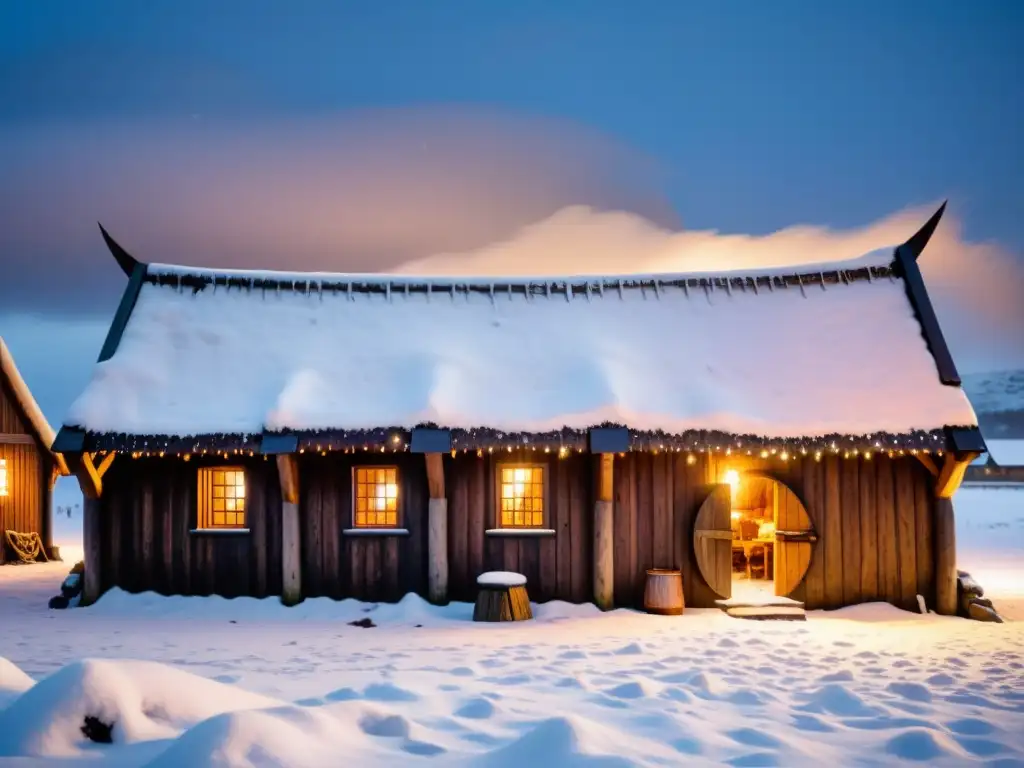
(201,681)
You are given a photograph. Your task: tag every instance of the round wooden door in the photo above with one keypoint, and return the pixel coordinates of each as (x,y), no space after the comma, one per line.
(712,540)
(794,538)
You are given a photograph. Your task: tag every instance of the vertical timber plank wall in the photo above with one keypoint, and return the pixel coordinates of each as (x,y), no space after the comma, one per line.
(874,520)
(879,510)
(23,509)
(556,567)
(148,509)
(377,568)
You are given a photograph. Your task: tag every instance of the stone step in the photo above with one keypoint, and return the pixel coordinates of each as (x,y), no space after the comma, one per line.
(767,612)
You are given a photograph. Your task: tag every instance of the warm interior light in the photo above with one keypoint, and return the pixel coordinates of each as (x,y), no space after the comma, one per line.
(3,477)
(736,515)
(732,477)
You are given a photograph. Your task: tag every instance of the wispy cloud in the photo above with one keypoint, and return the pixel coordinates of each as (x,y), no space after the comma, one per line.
(978,288)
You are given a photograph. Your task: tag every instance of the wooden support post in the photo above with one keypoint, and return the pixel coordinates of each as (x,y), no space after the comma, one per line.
(946,484)
(291,536)
(437,531)
(945,557)
(604,572)
(81,466)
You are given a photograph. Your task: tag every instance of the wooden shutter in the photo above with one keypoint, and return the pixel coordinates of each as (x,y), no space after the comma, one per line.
(794,538)
(712,540)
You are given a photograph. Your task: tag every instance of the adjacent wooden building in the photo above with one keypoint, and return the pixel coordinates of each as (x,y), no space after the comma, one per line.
(1001,465)
(262,433)
(28,466)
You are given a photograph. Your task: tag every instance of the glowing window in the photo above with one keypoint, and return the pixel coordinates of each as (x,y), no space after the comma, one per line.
(3,477)
(521,496)
(376,497)
(221,498)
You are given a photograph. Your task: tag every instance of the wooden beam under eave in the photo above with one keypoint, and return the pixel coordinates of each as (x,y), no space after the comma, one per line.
(435,475)
(930,465)
(952,474)
(81,466)
(104,465)
(288,472)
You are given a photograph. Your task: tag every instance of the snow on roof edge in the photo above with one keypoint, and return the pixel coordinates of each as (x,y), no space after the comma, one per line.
(879,259)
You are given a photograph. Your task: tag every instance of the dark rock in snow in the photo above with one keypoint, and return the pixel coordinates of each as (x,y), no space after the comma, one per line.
(366,623)
(97,731)
(984,613)
(59,601)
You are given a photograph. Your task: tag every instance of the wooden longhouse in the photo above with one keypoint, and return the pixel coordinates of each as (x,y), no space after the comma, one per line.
(368,436)
(28,467)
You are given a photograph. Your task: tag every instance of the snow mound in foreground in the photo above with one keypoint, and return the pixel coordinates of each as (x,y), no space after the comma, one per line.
(288,735)
(143,700)
(13,682)
(568,742)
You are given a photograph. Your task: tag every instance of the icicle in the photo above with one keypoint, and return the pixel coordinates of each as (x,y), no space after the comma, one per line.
(600,288)
(657,290)
(407,290)
(491,292)
(510,291)
(348,291)
(686,287)
(704,285)
(451,289)
(822,276)
(547,289)
(588,290)
(568,291)
(753,284)
(428,290)
(800,282)
(387,291)
(620,288)
(771,284)
(728,286)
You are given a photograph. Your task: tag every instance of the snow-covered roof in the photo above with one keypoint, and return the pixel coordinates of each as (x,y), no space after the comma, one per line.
(19,390)
(1006,453)
(768,353)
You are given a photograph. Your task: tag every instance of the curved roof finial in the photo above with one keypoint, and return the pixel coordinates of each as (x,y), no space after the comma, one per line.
(920,239)
(124,260)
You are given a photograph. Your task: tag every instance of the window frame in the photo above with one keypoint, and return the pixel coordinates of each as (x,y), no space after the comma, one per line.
(399,499)
(204,503)
(545,495)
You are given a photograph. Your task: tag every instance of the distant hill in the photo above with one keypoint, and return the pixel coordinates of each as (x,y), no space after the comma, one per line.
(998,399)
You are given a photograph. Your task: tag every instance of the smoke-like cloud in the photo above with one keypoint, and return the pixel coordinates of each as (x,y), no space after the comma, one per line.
(977,288)
(415,189)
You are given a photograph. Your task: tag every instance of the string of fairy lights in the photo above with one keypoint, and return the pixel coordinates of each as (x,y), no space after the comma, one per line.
(562,443)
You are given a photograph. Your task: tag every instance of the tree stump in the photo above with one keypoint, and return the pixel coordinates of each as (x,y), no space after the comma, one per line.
(502,597)
(663,593)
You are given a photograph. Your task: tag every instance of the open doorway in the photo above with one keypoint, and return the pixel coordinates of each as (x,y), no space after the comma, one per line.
(752,539)
(754,520)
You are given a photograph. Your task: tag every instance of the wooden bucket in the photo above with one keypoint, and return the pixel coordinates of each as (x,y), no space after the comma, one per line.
(663,593)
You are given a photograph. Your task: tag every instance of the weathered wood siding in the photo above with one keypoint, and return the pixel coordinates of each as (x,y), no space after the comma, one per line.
(556,567)
(148,510)
(874,519)
(364,567)
(26,507)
